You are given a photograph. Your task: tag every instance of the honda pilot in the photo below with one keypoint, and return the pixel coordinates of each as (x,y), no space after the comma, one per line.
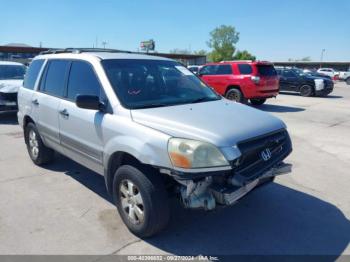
(151,128)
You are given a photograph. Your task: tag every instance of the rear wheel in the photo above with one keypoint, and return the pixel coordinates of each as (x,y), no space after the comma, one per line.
(257,102)
(141,199)
(347,81)
(236,95)
(306,90)
(38,152)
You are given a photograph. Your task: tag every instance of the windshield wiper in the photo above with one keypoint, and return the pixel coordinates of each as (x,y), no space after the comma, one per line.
(151,106)
(203,99)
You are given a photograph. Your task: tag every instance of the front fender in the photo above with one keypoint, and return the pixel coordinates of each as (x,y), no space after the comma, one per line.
(147,152)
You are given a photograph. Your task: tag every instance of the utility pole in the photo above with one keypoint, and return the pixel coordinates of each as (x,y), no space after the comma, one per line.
(322,54)
(104,43)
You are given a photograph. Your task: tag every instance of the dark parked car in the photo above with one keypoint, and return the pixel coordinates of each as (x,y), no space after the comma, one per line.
(295,80)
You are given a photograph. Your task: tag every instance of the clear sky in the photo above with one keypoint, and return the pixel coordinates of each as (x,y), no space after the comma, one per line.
(270,29)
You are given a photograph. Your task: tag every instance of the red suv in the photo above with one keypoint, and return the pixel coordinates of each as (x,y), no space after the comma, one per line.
(242,80)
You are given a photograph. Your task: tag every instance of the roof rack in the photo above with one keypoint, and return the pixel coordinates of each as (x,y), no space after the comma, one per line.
(248,61)
(81,50)
(228,61)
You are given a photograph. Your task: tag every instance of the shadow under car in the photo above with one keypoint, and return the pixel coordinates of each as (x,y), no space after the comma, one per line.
(271,220)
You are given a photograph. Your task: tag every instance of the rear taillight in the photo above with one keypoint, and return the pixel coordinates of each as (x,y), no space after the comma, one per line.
(255,79)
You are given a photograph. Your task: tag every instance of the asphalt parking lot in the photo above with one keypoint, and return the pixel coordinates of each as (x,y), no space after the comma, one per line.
(64,208)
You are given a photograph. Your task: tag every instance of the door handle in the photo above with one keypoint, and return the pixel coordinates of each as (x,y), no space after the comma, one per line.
(64,113)
(35,102)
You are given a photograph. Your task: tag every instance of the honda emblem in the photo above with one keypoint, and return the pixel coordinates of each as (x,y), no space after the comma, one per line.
(266,154)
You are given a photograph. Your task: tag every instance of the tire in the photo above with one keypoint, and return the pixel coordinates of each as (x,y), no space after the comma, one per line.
(38,152)
(147,194)
(236,95)
(257,102)
(306,90)
(347,81)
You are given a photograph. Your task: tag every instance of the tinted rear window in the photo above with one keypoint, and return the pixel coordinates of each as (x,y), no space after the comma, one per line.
(32,74)
(245,69)
(55,77)
(266,70)
(224,70)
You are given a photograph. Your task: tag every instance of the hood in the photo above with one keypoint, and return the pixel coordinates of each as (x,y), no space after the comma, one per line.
(10,86)
(317,76)
(222,122)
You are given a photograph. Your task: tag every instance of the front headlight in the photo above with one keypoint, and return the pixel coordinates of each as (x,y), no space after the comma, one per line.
(188,154)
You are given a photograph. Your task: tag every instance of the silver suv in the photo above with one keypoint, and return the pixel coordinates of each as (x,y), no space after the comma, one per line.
(151,128)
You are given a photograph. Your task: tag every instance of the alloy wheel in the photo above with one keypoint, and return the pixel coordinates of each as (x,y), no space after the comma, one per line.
(233,96)
(33,144)
(131,201)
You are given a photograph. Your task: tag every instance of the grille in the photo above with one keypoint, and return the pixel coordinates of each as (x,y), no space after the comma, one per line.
(251,164)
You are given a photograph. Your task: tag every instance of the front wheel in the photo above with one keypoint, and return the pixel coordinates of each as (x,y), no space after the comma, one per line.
(347,81)
(306,90)
(141,200)
(257,102)
(38,152)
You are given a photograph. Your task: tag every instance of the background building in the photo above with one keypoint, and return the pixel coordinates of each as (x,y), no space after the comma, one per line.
(19,52)
(24,53)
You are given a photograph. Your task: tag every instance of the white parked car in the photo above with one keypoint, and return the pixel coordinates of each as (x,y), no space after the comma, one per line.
(328,71)
(11,79)
(194,68)
(345,75)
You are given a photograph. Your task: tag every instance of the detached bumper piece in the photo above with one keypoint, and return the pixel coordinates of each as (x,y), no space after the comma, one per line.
(230,194)
(8,101)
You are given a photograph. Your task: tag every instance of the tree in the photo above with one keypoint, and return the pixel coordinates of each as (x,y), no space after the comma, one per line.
(222,41)
(244,55)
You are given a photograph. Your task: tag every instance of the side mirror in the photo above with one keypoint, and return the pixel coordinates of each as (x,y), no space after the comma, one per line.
(89,102)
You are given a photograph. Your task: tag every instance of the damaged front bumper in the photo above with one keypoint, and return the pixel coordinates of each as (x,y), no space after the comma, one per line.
(8,101)
(207,193)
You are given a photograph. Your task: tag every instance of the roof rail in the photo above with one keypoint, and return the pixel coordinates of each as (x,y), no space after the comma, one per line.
(249,61)
(228,61)
(81,50)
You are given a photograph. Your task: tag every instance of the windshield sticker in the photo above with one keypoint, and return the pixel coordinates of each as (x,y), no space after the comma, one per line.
(184,70)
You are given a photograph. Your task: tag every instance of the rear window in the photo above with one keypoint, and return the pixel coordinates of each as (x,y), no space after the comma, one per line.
(55,77)
(266,70)
(224,70)
(32,74)
(245,69)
